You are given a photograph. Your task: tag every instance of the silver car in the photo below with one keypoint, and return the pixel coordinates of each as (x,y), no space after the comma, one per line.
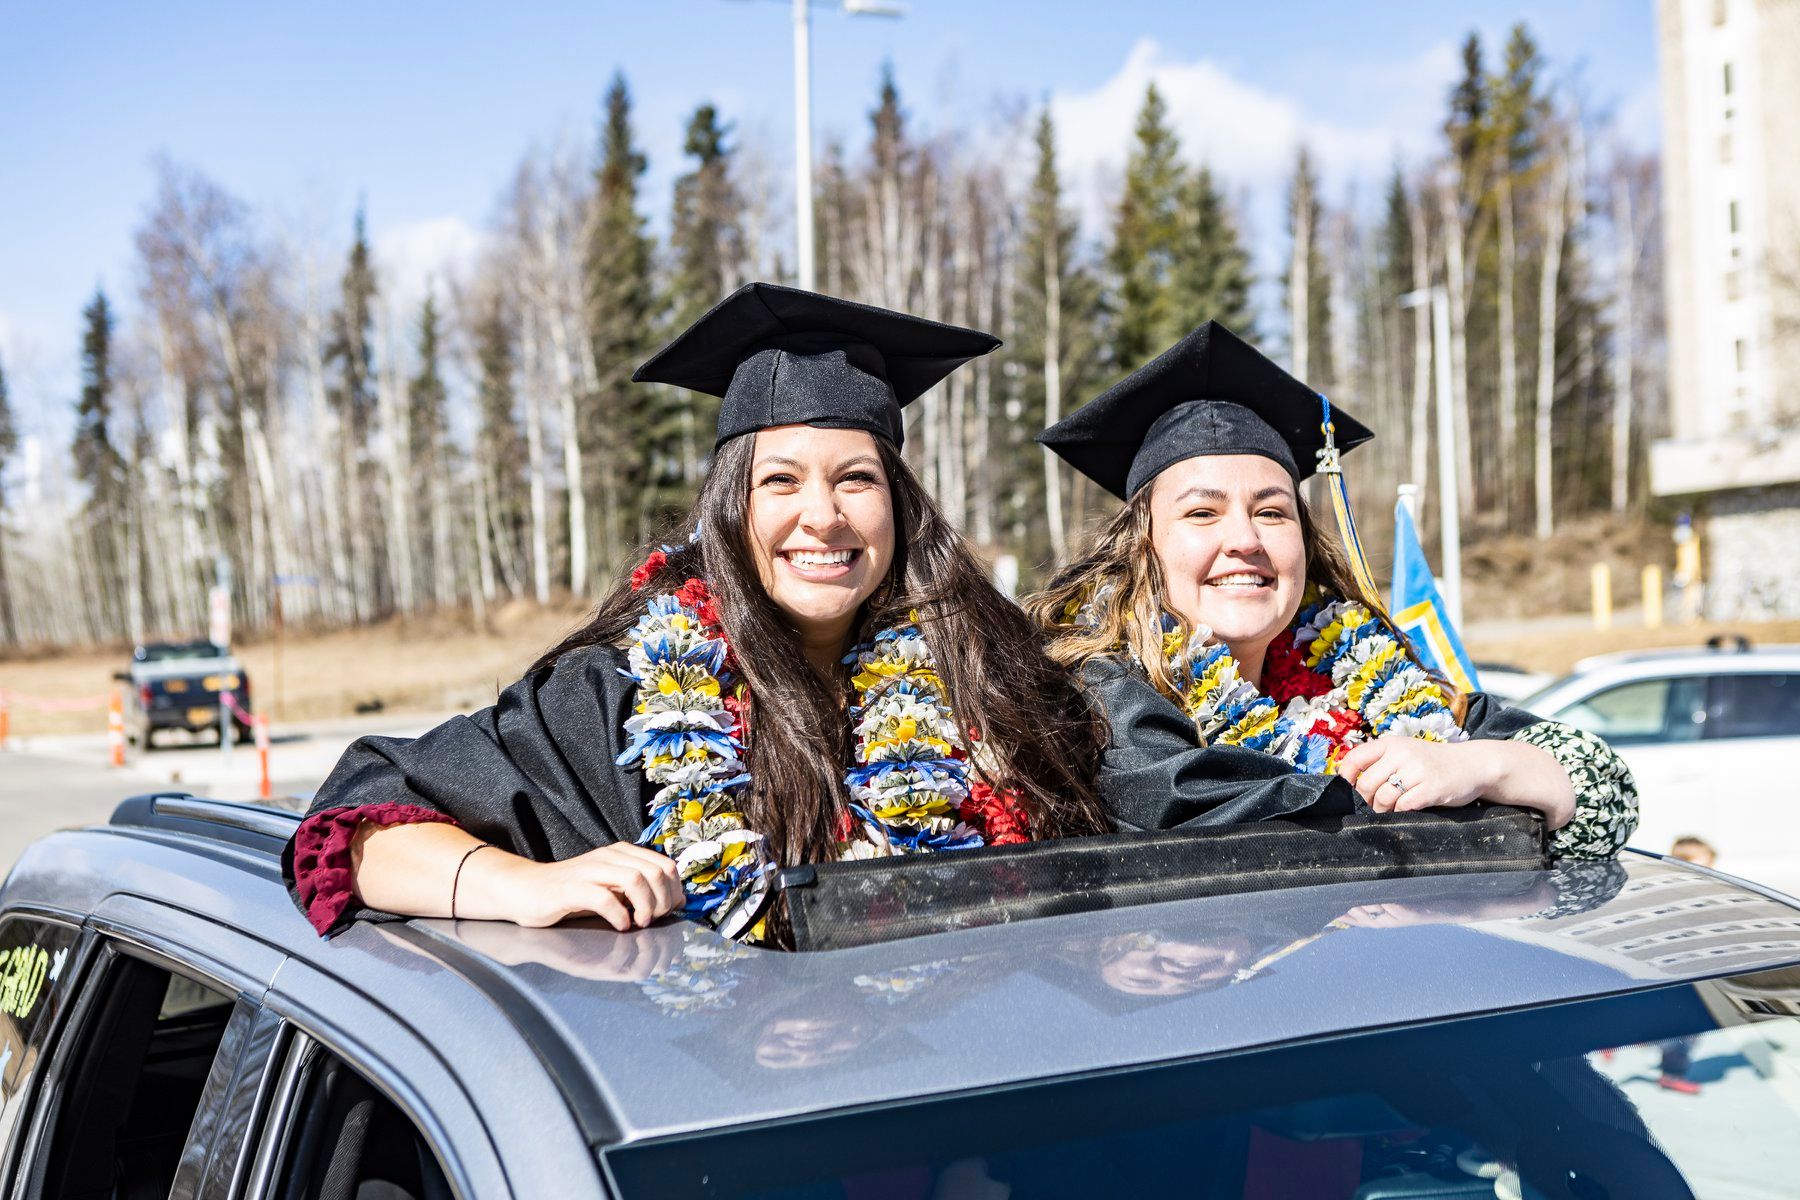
(170,1026)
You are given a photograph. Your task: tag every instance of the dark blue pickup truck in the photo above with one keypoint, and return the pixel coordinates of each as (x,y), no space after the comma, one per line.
(177,685)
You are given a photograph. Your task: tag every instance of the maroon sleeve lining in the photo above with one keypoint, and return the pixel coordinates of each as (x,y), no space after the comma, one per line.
(322,874)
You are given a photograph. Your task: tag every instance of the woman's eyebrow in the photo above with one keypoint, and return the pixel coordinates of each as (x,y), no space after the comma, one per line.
(1202,493)
(776,461)
(861,460)
(1271,491)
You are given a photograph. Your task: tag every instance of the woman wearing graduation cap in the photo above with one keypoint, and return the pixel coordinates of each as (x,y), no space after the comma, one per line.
(822,670)
(1245,668)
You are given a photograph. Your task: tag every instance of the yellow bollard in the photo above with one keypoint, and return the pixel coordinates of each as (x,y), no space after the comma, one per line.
(1602,591)
(1653,596)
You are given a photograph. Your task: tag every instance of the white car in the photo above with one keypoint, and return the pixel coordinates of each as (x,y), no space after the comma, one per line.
(1712,736)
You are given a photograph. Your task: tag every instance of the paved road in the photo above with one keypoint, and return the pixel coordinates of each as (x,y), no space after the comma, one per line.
(49,783)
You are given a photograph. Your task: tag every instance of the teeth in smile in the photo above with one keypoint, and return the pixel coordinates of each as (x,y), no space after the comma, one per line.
(820,558)
(1240,579)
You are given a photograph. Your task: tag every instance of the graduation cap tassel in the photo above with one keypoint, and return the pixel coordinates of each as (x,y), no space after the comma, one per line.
(1332,469)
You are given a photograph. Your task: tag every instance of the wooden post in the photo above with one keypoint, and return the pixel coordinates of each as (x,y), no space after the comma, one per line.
(1653,596)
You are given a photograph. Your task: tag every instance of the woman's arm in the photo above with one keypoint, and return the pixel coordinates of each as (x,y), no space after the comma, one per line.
(1577,781)
(413,870)
(1402,774)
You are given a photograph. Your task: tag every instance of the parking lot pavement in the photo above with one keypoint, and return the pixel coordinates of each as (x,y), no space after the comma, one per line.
(1740,1129)
(49,783)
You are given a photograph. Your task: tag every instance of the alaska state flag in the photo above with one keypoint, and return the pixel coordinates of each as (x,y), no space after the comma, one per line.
(1419,611)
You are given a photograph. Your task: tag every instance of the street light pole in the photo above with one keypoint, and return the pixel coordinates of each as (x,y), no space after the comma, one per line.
(803,180)
(803,184)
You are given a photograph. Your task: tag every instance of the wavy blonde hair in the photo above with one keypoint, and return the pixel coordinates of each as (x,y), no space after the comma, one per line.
(1118,591)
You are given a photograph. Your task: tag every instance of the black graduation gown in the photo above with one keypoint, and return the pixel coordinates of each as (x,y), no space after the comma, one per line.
(533,773)
(1156,775)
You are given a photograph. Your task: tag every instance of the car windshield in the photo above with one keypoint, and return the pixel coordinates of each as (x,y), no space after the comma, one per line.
(1689,1090)
(164,651)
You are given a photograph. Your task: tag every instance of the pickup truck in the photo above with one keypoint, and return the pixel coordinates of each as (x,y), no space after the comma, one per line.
(176,685)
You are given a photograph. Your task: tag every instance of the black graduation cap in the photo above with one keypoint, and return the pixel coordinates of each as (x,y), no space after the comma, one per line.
(1210,393)
(781,356)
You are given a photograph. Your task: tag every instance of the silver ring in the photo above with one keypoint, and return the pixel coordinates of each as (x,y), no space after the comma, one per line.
(1396,781)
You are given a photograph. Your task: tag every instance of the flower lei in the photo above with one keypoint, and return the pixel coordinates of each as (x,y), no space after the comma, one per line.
(910,786)
(1344,678)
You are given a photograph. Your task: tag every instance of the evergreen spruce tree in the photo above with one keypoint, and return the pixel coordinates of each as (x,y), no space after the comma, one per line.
(1212,270)
(499,442)
(98,463)
(428,427)
(350,355)
(1466,124)
(9,444)
(707,240)
(1147,240)
(621,304)
(1055,345)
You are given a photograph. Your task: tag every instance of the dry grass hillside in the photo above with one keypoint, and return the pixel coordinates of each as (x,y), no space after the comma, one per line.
(428,664)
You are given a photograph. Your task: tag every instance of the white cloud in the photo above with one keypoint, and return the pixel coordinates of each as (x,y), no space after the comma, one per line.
(1247,132)
(422,255)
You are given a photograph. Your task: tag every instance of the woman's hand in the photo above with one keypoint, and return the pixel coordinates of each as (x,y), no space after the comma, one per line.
(624,885)
(1398,774)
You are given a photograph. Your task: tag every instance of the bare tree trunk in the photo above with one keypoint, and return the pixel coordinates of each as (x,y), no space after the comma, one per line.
(1509,346)
(391,403)
(535,465)
(1053,350)
(1625,344)
(1299,284)
(1457,281)
(1556,217)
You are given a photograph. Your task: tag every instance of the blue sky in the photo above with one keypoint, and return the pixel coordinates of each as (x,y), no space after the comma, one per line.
(426,109)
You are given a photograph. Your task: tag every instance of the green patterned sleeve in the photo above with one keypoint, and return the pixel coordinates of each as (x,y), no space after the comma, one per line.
(1606,799)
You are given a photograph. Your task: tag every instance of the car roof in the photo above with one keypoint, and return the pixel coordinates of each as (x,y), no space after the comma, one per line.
(1698,658)
(673,1030)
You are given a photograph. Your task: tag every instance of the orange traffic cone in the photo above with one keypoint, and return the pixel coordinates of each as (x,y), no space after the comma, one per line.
(115,728)
(5,717)
(262,753)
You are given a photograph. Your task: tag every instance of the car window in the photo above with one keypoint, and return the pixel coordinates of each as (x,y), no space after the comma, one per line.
(1659,1095)
(36,974)
(1741,706)
(344,1138)
(140,1061)
(1645,710)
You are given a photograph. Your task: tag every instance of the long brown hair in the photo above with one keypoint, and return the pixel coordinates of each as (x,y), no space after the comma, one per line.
(1036,735)
(1122,569)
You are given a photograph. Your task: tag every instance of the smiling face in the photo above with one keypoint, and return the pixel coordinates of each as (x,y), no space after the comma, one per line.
(1226,530)
(821,525)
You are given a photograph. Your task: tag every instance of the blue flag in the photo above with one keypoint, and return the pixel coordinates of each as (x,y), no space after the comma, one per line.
(1419,611)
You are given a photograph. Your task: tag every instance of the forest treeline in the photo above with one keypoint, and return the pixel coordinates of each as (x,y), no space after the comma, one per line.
(265,401)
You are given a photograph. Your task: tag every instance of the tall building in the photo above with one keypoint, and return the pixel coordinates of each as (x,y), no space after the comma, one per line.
(1731,217)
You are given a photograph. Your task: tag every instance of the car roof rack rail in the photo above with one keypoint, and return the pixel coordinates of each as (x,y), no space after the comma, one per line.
(253,826)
